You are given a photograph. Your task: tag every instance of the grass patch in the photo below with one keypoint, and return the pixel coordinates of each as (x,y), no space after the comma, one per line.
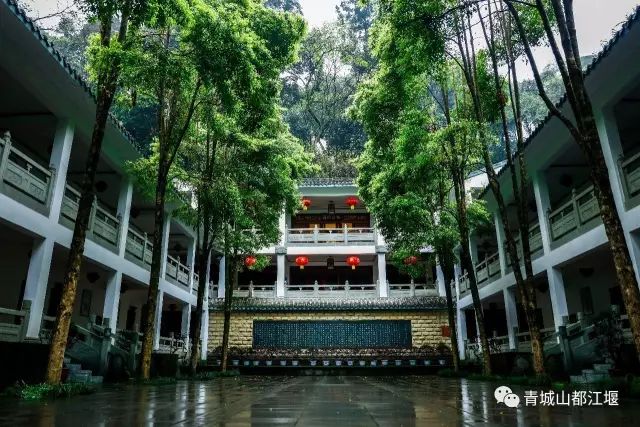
(48,391)
(157,381)
(210,375)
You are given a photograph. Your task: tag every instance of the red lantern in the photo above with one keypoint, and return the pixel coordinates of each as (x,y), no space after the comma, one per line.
(305,204)
(301,261)
(353,261)
(352,202)
(250,261)
(411,260)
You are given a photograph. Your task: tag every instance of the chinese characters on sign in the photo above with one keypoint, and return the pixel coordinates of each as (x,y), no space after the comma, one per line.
(503,394)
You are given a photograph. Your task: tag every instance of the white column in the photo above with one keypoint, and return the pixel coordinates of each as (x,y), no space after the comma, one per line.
(500,235)
(204,326)
(383,288)
(473,250)
(165,245)
(557,296)
(440,281)
(282,225)
(123,211)
(191,263)
(613,154)
(156,336)
(461,325)
(186,321)
(511,313)
(36,286)
(281,260)
(543,205)
(222,274)
(59,162)
(112,299)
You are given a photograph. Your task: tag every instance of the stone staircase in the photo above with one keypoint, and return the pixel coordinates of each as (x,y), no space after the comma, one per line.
(600,372)
(79,375)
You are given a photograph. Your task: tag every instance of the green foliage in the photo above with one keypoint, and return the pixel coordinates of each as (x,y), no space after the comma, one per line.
(49,391)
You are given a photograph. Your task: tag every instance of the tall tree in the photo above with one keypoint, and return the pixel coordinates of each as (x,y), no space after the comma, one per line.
(107,52)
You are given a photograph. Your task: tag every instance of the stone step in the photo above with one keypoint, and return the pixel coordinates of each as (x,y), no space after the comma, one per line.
(96,379)
(74,367)
(602,367)
(578,379)
(80,377)
(596,376)
(67,360)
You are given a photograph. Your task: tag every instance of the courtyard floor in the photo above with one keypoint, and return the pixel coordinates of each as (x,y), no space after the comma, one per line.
(308,401)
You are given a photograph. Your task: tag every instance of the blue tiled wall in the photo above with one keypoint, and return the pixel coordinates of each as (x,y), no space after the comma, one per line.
(332,334)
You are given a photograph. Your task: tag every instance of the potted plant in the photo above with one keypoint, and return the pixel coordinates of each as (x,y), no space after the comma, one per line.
(294,362)
(362,362)
(374,363)
(385,362)
(338,362)
(349,362)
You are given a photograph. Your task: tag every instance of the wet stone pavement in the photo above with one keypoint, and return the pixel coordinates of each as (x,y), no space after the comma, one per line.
(308,401)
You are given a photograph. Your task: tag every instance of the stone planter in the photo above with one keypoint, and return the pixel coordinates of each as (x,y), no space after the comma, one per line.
(283,363)
(349,362)
(235,362)
(218,362)
(294,363)
(412,362)
(398,362)
(338,362)
(385,362)
(256,363)
(442,362)
(427,363)
(313,362)
(246,363)
(269,362)
(374,363)
(326,362)
(362,362)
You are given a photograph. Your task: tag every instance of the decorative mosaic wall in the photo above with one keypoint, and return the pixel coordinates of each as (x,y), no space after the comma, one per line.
(332,334)
(426,326)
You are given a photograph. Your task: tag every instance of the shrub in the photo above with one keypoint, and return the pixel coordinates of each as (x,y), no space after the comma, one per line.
(49,391)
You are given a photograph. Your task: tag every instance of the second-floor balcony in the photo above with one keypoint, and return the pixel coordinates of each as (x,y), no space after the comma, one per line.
(488,268)
(631,175)
(331,236)
(102,223)
(23,174)
(581,208)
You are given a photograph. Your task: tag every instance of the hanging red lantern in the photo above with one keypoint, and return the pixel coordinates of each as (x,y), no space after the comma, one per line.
(250,261)
(301,261)
(410,260)
(305,204)
(352,202)
(353,261)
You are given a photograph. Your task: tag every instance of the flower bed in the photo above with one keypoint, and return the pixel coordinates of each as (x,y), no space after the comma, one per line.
(338,357)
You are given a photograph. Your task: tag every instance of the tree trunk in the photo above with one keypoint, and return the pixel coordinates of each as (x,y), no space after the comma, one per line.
(74,261)
(445,258)
(154,281)
(230,284)
(467,264)
(203,262)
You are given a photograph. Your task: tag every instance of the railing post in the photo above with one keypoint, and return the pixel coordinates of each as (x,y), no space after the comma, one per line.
(26,307)
(144,246)
(50,186)
(92,216)
(250,288)
(412,288)
(315,288)
(315,234)
(5,154)
(345,230)
(574,202)
(565,346)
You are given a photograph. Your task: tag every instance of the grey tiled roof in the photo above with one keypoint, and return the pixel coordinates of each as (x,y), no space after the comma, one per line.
(597,59)
(73,73)
(250,305)
(327,182)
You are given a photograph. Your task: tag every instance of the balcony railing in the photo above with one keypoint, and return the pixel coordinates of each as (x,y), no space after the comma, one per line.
(331,236)
(412,289)
(345,290)
(102,223)
(177,271)
(23,173)
(488,268)
(463,282)
(255,291)
(535,242)
(581,208)
(631,172)
(139,246)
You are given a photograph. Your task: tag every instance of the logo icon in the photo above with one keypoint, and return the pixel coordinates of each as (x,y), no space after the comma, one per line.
(503,394)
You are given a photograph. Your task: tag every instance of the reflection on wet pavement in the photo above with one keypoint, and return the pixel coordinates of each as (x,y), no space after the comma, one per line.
(307,401)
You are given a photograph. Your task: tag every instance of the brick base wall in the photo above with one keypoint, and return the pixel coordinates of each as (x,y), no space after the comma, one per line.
(426,327)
